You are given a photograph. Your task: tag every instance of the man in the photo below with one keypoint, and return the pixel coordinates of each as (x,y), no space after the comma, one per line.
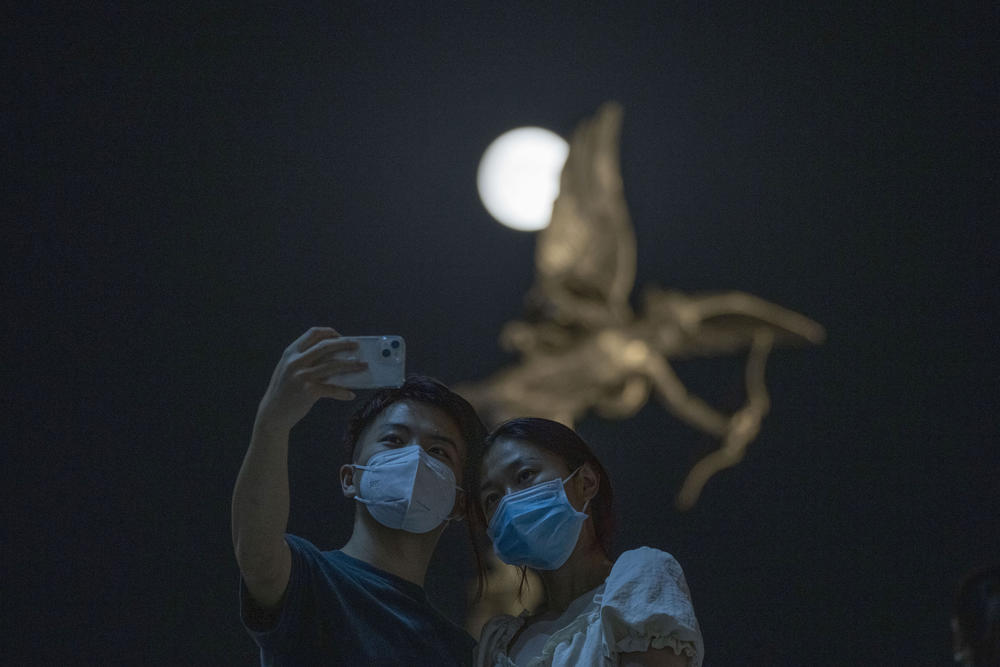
(363,604)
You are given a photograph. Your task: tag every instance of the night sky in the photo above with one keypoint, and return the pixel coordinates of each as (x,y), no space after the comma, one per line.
(189,189)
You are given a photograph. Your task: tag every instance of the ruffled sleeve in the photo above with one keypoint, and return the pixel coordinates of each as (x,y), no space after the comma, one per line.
(647,604)
(493,640)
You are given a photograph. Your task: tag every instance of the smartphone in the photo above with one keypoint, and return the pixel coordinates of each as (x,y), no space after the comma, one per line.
(386,358)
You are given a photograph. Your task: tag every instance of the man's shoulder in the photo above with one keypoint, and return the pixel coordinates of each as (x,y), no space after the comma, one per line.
(299,543)
(306,549)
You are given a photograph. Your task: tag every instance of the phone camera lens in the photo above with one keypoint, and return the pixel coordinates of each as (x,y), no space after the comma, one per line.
(386,353)
(395,344)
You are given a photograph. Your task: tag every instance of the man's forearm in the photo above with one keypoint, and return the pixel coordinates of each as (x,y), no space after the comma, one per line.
(260,502)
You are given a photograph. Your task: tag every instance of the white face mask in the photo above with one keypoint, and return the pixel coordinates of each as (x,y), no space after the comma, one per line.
(407,489)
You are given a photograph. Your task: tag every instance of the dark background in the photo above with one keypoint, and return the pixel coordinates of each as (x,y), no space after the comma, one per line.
(188,189)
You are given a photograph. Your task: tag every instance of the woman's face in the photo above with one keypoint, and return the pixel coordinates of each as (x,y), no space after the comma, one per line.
(512,465)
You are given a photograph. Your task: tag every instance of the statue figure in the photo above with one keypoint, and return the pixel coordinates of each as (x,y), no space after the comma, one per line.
(580,345)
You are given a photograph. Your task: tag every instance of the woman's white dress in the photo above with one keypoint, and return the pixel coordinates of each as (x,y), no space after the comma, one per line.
(644,603)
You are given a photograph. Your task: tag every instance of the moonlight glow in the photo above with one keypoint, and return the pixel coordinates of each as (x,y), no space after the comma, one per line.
(518,176)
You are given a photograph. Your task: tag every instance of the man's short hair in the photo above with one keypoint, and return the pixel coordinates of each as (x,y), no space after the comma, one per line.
(421,389)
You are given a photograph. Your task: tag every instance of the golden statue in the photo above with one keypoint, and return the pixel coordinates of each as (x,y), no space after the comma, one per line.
(583,348)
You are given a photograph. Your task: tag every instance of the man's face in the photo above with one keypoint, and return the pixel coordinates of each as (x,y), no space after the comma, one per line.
(413,423)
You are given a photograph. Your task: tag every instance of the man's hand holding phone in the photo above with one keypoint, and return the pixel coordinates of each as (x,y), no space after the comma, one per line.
(308,370)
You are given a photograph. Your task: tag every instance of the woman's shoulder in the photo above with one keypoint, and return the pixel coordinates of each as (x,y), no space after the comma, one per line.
(644,561)
(646,574)
(645,555)
(647,603)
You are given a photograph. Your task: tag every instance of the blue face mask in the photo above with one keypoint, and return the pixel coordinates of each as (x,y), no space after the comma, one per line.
(537,526)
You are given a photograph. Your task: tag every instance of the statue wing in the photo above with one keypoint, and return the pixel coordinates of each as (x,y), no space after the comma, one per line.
(709,324)
(585,259)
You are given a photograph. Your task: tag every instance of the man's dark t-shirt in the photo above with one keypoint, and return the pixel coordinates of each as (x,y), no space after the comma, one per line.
(338,610)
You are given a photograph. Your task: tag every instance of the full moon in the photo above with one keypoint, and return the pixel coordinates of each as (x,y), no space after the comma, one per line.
(518,176)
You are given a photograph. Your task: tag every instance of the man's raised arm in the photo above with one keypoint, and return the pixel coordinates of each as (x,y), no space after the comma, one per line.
(261,497)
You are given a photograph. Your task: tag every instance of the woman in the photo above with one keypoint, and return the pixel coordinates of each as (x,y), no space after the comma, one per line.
(547,503)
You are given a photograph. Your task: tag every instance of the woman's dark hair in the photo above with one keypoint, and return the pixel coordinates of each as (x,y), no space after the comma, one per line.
(566,444)
(977,610)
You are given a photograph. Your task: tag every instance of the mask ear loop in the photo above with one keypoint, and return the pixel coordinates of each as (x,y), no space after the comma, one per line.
(587,502)
(354,471)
